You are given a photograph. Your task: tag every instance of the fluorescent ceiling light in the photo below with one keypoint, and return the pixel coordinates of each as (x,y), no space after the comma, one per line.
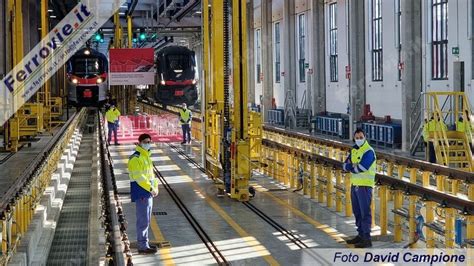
(50,10)
(52,16)
(121,13)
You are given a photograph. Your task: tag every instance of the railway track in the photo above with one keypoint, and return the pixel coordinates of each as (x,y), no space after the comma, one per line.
(215,252)
(283,231)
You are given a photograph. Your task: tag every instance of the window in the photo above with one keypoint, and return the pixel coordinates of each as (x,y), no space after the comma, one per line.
(258,60)
(277,53)
(398,14)
(377,59)
(301,42)
(439,35)
(333,42)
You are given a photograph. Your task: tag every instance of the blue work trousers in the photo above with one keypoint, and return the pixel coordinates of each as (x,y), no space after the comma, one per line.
(112,128)
(361,199)
(143,211)
(186,132)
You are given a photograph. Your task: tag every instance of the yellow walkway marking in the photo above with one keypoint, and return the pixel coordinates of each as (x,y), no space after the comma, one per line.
(165,253)
(264,253)
(332,232)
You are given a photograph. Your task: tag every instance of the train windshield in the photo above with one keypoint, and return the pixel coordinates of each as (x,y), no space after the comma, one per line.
(178,65)
(87,66)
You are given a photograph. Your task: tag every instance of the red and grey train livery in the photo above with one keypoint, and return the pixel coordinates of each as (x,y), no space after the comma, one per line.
(87,78)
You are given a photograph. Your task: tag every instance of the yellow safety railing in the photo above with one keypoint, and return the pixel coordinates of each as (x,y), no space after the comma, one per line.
(322,179)
(20,201)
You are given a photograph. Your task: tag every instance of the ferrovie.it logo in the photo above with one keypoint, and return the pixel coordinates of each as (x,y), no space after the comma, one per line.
(52,52)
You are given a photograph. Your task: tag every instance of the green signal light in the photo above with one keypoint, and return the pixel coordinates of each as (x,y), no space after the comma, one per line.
(98,37)
(142,36)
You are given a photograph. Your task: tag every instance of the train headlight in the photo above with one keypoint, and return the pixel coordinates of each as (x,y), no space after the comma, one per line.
(194,82)
(87,52)
(75,81)
(163,82)
(99,80)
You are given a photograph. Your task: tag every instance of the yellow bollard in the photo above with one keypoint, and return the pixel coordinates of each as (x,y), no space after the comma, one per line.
(426,179)
(313,181)
(401,171)
(329,187)
(383,210)
(430,212)
(454,186)
(372,208)
(286,168)
(449,227)
(347,185)
(4,233)
(321,175)
(398,203)
(440,183)
(338,191)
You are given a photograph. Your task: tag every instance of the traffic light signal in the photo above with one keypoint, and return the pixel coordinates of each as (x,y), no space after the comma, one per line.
(142,35)
(99,36)
(134,38)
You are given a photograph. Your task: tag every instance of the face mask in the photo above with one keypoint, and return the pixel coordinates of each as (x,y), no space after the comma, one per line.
(146,146)
(360,142)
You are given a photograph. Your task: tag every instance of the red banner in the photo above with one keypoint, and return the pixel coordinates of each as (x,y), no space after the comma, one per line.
(132,66)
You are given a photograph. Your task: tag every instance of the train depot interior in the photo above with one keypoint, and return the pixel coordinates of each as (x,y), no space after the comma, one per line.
(284,102)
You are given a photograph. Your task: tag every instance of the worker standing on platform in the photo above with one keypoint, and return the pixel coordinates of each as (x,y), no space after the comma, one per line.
(361,162)
(112,115)
(428,129)
(465,127)
(143,187)
(185,117)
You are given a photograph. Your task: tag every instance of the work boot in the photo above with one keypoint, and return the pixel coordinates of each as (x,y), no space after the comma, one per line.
(154,247)
(147,251)
(365,243)
(355,240)
(184,142)
(117,144)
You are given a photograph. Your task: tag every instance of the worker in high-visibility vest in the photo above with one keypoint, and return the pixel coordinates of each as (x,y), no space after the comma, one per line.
(185,117)
(143,188)
(112,116)
(361,162)
(465,127)
(431,127)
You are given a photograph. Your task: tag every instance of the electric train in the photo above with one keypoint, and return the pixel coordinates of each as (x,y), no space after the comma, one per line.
(87,78)
(176,76)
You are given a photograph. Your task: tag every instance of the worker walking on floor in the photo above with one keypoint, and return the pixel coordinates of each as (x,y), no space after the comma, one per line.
(112,115)
(361,162)
(143,187)
(185,117)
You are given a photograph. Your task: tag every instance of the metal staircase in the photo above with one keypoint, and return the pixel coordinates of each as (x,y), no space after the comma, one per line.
(452,147)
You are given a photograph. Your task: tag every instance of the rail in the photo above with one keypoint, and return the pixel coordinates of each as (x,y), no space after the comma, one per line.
(117,243)
(434,185)
(18,204)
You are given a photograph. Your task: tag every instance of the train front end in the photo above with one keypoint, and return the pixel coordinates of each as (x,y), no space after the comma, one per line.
(87,79)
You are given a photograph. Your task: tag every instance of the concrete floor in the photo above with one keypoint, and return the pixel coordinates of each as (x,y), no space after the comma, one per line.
(242,236)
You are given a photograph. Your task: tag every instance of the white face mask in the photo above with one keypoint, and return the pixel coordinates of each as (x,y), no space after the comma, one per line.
(146,146)
(360,142)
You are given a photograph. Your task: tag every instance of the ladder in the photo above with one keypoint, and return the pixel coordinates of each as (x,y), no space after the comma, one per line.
(452,147)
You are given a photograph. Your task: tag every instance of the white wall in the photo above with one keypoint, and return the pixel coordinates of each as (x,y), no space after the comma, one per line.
(337,93)
(460,34)
(384,96)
